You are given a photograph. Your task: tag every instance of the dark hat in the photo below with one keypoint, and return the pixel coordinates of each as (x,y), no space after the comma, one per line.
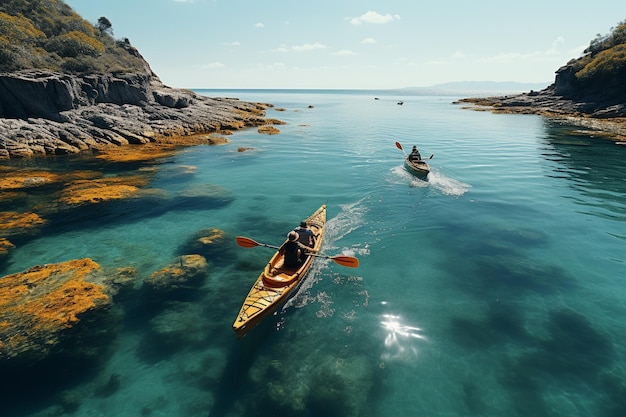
(292,236)
(303,223)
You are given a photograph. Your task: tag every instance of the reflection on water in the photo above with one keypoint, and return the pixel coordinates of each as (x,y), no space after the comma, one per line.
(594,167)
(399,339)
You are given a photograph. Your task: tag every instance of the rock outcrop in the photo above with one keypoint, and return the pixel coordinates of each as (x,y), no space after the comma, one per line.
(601,109)
(48,113)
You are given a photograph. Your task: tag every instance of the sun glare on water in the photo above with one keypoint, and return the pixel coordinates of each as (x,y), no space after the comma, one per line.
(399,339)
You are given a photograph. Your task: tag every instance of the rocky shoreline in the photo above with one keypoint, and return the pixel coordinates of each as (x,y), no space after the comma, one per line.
(608,119)
(123,118)
(47,113)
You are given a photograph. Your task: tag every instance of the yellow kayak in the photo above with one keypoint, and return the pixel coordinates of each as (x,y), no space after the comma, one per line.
(276,283)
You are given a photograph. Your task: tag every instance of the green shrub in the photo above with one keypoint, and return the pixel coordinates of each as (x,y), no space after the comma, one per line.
(48,34)
(82,66)
(610,63)
(74,44)
(602,43)
(19,29)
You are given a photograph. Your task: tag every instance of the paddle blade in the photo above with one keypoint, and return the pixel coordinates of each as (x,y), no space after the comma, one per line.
(349,261)
(399,146)
(245,242)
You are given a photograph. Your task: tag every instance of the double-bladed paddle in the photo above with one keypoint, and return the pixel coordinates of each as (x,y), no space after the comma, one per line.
(349,261)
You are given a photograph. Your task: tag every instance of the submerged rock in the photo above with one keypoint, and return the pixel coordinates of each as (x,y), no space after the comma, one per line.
(13,223)
(103,189)
(5,246)
(41,308)
(335,387)
(181,325)
(181,277)
(212,243)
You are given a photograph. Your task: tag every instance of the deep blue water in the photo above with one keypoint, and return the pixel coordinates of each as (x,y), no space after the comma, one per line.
(495,288)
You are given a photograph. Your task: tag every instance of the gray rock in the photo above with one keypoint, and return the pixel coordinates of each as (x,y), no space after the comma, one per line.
(48,113)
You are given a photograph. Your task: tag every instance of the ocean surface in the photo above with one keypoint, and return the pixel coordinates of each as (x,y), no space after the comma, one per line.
(495,287)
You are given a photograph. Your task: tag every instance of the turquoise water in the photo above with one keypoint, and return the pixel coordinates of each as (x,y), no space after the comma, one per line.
(495,287)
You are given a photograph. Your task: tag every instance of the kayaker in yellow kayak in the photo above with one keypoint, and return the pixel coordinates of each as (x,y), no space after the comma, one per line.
(293,250)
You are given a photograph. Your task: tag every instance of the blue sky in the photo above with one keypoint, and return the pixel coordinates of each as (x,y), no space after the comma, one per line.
(354,43)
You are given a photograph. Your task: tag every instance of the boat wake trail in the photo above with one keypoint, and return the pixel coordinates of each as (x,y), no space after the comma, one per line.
(349,219)
(436,181)
(447,186)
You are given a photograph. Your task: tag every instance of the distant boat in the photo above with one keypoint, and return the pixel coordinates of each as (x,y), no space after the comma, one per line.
(376,98)
(419,168)
(400,103)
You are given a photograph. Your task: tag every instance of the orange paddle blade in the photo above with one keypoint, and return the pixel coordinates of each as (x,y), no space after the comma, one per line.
(349,261)
(246,242)
(399,146)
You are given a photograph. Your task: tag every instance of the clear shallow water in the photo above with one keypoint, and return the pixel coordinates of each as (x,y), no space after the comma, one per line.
(494,288)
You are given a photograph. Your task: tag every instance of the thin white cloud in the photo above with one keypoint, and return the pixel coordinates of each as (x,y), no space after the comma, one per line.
(184,1)
(274,66)
(436,62)
(554,48)
(235,43)
(259,25)
(459,55)
(308,47)
(374,17)
(549,55)
(298,48)
(213,65)
(500,58)
(344,52)
(368,40)
(559,40)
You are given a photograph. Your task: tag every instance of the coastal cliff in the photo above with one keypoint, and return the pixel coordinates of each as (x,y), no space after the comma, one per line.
(70,87)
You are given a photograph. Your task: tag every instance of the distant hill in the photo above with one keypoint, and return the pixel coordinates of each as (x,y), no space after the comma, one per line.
(474,88)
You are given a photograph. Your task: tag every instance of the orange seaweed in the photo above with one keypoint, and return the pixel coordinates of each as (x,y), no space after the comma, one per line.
(96,191)
(14,220)
(50,296)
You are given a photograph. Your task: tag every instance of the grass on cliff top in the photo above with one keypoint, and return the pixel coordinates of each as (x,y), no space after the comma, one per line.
(49,35)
